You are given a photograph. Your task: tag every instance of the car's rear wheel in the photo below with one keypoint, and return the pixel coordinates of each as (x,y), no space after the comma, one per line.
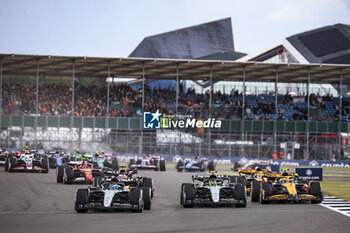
(97,181)
(59,174)
(131,162)
(255,191)
(316,190)
(240,195)
(156,163)
(81,199)
(45,164)
(162,166)
(148,182)
(68,175)
(237,180)
(136,200)
(179,164)
(147,193)
(188,194)
(115,164)
(211,166)
(265,192)
(12,164)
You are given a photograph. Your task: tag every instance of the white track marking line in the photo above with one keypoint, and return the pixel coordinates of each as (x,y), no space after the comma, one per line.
(337,205)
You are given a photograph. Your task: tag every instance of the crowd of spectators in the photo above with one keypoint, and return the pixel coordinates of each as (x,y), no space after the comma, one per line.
(56,100)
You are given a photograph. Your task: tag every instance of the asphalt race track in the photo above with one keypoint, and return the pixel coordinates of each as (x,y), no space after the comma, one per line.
(31,202)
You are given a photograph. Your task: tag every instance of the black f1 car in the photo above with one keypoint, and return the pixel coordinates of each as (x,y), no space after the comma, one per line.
(120,191)
(213,190)
(155,163)
(29,161)
(197,164)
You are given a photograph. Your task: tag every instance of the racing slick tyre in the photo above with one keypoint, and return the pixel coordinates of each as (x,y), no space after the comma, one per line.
(265,191)
(181,190)
(115,164)
(11,164)
(6,164)
(148,182)
(45,164)
(180,163)
(156,162)
(201,166)
(132,161)
(136,200)
(187,195)
(162,166)
(241,195)
(237,180)
(59,174)
(96,181)
(81,199)
(211,166)
(68,176)
(316,190)
(147,193)
(255,191)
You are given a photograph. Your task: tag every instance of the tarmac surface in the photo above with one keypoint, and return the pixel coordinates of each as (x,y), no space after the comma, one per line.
(34,202)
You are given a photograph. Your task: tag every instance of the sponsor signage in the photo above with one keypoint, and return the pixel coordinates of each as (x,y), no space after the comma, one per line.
(309,173)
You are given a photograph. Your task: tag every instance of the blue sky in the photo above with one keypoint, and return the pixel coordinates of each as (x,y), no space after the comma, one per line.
(114,28)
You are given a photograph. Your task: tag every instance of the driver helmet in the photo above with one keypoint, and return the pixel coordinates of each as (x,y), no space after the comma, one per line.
(196,158)
(96,154)
(102,152)
(285,174)
(258,169)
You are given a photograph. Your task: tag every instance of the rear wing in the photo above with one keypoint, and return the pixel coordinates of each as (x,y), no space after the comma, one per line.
(201,178)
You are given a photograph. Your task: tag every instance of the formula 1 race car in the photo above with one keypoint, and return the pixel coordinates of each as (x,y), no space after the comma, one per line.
(116,193)
(286,187)
(197,164)
(29,161)
(249,164)
(3,155)
(213,190)
(57,158)
(251,175)
(155,163)
(77,172)
(129,177)
(105,161)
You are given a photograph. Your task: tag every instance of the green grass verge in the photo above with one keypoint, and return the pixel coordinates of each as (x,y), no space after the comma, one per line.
(337,189)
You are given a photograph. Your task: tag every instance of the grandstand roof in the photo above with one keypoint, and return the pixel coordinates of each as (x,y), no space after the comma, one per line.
(330,44)
(209,39)
(166,68)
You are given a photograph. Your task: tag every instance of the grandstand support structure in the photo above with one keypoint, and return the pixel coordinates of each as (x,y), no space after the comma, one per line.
(276,114)
(306,155)
(0,85)
(230,141)
(243,107)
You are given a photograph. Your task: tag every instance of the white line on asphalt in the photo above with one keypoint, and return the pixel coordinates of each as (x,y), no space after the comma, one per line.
(337,205)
